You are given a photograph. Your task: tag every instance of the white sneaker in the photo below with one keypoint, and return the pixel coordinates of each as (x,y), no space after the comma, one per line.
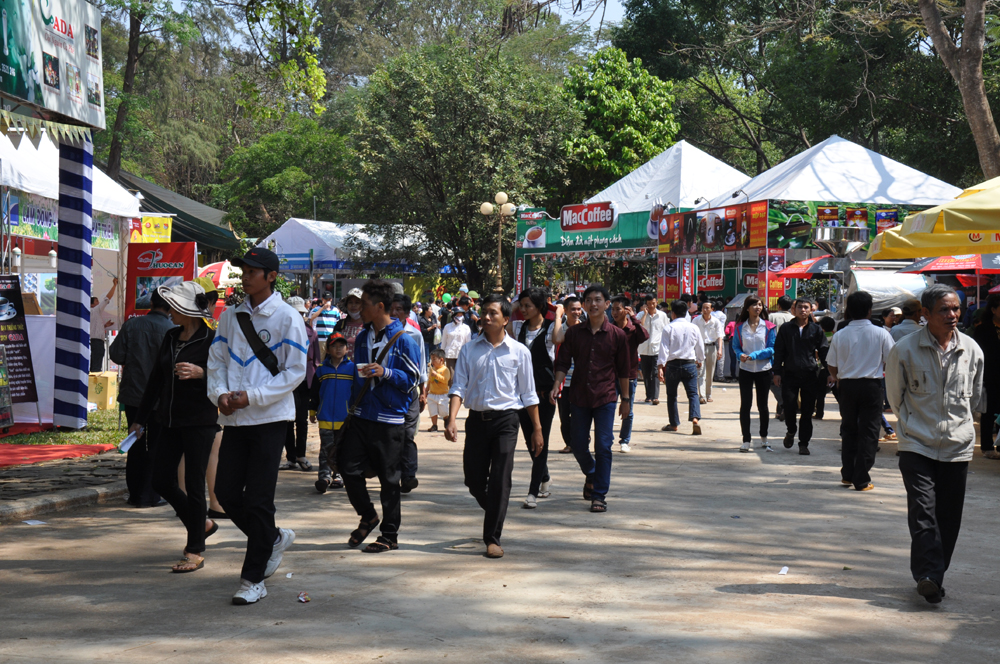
(543,490)
(625,448)
(764,444)
(249,593)
(285,539)
(530,502)
(745,447)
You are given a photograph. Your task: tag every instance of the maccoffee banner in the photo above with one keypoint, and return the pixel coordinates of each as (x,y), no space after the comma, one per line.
(153,265)
(582,228)
(14,339)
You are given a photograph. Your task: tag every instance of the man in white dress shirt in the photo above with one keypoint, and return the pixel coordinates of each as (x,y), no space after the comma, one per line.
(654,321)
(682,352)
(494,377)
(98,326)
(856,362)
(711,333)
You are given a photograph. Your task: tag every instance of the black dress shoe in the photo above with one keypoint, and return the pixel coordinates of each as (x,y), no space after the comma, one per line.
(804,450)
(409,485)
(930,590)
(789,441)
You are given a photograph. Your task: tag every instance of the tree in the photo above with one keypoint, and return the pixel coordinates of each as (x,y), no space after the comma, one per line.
(964,61)
(440,130)
(628,120)
(277,177)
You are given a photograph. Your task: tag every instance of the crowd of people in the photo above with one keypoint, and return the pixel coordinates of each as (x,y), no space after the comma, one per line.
(221,404)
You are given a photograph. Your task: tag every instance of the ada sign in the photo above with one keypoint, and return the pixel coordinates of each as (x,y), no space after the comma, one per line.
(588,217)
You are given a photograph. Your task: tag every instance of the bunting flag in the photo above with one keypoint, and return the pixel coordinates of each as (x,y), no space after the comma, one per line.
(76,165)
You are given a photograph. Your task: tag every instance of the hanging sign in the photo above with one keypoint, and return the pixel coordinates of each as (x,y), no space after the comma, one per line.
(153,265)
(770,284)
(14,338)
(150,229)
(588,217)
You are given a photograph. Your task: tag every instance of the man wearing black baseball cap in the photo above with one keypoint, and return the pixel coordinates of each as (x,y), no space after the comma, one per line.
(253,382)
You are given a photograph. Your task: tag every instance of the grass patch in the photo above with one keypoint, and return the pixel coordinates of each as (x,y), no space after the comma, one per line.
(102,429)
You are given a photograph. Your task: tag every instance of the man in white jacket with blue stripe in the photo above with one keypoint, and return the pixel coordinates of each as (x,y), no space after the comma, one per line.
(255,407)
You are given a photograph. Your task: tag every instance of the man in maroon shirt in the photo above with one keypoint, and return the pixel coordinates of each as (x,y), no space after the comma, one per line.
(624,317)
(599,351)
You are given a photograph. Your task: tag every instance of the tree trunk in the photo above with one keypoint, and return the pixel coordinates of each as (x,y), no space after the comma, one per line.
(965,64)
(131,64)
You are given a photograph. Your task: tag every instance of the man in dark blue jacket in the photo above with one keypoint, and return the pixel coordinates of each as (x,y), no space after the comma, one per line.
(376,431)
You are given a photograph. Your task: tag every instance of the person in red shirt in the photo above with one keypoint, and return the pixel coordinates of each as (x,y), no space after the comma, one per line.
(599,353)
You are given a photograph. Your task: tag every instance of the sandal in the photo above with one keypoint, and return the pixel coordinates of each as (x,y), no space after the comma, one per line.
(216,514)
(361,532)
(381,545)
(598,506)
(588,490)
(186,562)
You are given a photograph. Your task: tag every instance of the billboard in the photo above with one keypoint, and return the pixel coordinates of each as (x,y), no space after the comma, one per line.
(582,228)
(153,265)
(52,57)
(790,223)
(732,228)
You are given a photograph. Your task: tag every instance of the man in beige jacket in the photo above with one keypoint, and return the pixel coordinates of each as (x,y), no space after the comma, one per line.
(934,380)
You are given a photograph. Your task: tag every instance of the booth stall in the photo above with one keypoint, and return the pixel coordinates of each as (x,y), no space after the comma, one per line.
(834,183)
(619,224)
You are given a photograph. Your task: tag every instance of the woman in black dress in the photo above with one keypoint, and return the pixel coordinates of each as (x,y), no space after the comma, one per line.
(178,391)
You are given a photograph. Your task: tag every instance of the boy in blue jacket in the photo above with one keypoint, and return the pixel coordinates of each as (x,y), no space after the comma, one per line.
(329,400)
(374,438)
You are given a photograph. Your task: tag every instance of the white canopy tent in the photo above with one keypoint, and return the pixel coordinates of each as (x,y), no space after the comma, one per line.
(679,175)
(842,171)
(326,239)
(32,165)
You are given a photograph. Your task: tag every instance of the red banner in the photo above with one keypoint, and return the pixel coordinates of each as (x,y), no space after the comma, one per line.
(519,276)
(711,282)
(687,275)
(770,286)
(669,286)
(154,265)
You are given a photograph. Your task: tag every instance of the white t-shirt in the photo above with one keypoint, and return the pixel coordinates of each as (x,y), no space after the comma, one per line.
(98,319)
(531,335)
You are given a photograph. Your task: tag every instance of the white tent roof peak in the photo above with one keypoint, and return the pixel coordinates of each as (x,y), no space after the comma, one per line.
(679,175)
(325,238)
(838,170)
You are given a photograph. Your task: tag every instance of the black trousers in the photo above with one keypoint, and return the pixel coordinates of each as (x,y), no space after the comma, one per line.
(96,355)
(244,484)
(295,438)
(861,417)
(794,385)
(488,461)
(821,391)
(408,460)
(986,423)
(540,463)
(565,409)
(650,376)
(935,495)
(139,463)
(195,444)
(378,446)
(750,382)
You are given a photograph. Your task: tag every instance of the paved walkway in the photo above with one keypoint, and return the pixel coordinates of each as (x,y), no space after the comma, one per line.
(668,574)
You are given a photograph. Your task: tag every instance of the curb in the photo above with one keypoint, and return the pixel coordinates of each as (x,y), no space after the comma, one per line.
(26,508)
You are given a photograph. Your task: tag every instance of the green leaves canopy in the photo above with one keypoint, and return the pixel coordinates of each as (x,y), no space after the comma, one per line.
(442,129)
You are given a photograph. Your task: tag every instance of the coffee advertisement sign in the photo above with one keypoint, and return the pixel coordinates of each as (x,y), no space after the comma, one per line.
(14,338)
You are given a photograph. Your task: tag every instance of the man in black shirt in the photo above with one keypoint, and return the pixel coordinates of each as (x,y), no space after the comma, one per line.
(796,365)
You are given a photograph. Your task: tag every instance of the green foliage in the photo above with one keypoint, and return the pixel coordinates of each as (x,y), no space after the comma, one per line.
(628,120)
(439,131)
(277,177)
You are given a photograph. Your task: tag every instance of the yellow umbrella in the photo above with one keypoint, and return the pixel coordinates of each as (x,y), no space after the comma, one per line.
(892,244)
(982,186)
(976,213)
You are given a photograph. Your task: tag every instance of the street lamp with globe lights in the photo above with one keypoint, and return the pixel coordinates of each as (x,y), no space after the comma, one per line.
(504,209)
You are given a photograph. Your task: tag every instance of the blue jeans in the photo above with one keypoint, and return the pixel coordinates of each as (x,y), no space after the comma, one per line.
(625,433)
(687,374)
(597,470)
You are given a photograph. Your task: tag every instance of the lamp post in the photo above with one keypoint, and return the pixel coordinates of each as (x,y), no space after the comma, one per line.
(505,209)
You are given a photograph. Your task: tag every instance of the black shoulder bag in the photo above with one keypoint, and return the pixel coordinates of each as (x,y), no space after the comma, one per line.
(259,348)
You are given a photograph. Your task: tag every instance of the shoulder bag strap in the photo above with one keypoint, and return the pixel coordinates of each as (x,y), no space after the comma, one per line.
(260,349)
(371,379)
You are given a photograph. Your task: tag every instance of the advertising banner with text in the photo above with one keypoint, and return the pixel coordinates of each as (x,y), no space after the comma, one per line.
(151,229)
(770,261)
(583,228)
(52,57)
(153,265)
(14,338)
(732,228)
